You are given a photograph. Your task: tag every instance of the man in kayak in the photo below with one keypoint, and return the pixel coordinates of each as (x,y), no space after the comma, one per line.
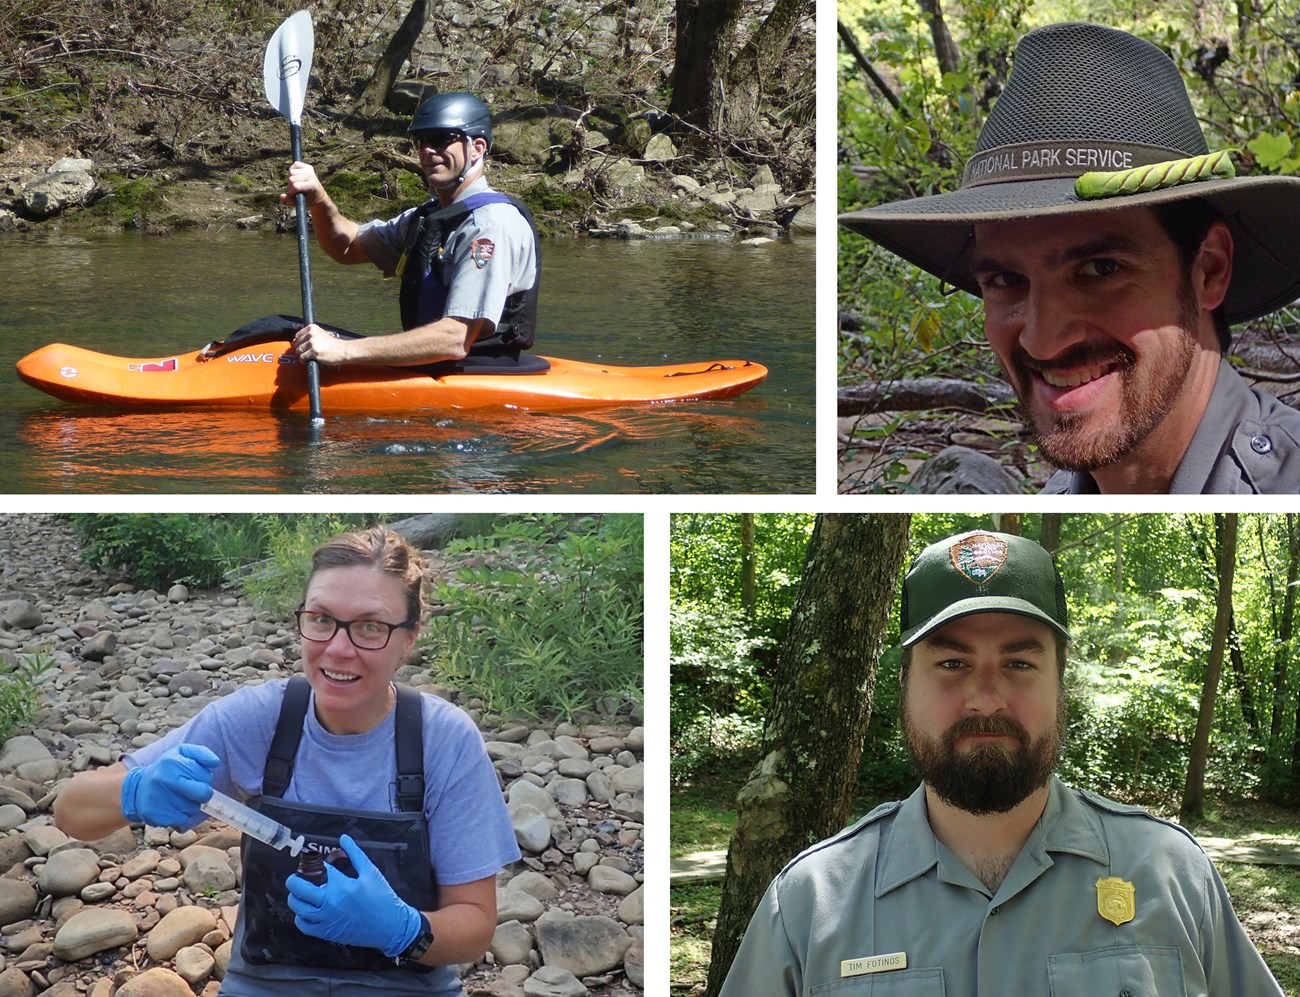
(1112,252)
(994,877)
(468,259)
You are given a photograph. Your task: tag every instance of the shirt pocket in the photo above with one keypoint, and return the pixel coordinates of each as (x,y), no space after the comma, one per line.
(896,983)
(1130,971)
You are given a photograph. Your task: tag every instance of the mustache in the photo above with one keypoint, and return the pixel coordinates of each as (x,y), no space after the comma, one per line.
(1075,357)
(973,726)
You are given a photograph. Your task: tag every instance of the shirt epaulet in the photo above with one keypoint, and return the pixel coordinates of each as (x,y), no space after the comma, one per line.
(1125,810)
(875,816)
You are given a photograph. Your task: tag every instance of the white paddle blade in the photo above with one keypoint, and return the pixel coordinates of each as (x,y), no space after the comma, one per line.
(288,64)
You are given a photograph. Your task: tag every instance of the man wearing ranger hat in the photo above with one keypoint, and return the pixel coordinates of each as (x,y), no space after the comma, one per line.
(994,877)
(1112,250)
(468,259)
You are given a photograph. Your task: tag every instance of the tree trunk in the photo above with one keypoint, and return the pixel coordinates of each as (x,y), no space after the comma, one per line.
(922,393)
(1238,662)
(1225,556)
(1009,522)
(748,601)
(1049,534)
(1282,649)
(801,790)
(755,65)
(945,49)
(705,32)
(391,62)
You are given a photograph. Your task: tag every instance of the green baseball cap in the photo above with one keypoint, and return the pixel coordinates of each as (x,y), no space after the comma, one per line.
(981,572)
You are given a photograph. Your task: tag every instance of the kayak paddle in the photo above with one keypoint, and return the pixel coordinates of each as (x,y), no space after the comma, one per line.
(285,72)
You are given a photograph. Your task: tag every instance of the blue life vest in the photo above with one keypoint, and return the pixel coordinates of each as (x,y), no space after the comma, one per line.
(423,295)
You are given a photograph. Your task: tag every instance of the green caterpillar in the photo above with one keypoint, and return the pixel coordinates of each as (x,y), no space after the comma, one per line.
(1141,179)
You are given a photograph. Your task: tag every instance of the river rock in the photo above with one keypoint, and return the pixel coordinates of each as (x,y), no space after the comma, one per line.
(958,470)
(21,750)
(207,870)
(48,195)
(511,942)
(551,981)
(156,982)
(17,901)
(570,792)
(525,792)
(659,149)
(178,593)
(629,780)
(67,873)
(516,905)
(632,909)
(183,926)
(100,646)
(534,884)
(603,879)
(532,829)
(22,615)
(634,963)
(584,945)
(194,963)
(92,930)
(11,815)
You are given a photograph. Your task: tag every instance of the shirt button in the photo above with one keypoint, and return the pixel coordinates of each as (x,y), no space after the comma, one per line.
(1261,444)
(1126,993)
(996,911)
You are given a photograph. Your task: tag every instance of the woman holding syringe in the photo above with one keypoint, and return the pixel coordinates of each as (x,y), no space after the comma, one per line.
(399,781)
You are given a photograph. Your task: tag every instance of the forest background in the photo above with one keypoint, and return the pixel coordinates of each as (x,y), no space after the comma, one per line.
(1183,687)
(916,81)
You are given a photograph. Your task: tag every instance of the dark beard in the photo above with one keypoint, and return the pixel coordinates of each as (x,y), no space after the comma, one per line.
(1066,442)
(986,778)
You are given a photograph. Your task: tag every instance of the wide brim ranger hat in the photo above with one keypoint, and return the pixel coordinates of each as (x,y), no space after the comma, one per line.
(980,572)
(1083,98)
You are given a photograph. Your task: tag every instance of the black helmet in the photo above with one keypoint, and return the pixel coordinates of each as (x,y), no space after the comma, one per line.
(455,111)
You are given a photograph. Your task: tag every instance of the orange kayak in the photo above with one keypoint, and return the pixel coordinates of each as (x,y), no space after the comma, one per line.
(266,376)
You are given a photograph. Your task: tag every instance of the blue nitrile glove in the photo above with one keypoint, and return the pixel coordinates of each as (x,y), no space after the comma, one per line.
(363,911)
(168,792)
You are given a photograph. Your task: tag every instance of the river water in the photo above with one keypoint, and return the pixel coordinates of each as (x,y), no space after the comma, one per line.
(626,303)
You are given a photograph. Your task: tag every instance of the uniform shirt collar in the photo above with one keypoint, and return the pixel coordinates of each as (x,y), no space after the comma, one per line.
(1067,826)
(1226,454)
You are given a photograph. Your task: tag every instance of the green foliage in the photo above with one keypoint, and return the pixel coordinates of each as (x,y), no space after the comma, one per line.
(286,545)
(1141,593)
(19,690)
(158,551)
(548,618)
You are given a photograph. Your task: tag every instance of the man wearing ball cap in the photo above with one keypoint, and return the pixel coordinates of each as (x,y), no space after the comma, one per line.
(994,877)
(1112,250)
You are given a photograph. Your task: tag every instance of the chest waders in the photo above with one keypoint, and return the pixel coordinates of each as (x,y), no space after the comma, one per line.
(423,294)
(397,843)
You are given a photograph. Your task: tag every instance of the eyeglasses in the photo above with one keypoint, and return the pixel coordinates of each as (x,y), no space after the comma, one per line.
(439,138)
(369,635)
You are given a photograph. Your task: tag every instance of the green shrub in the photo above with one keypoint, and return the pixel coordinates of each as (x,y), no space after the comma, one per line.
(276,581)
(547,619)
(19,685)
(157,551)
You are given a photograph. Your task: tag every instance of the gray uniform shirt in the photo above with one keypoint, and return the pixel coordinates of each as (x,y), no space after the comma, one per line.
(489,257)
(1248,443)
(884,909)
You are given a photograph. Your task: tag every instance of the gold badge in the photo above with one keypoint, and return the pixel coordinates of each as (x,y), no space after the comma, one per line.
(1115,900)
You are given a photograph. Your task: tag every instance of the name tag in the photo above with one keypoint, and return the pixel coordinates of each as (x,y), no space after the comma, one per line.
(873,964)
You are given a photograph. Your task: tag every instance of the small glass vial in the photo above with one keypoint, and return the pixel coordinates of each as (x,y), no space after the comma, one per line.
(311,865)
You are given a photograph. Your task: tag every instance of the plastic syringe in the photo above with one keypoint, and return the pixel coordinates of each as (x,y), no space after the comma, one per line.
(252,823)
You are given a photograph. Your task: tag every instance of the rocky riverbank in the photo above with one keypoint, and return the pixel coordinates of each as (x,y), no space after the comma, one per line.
(159,122)
(149,912)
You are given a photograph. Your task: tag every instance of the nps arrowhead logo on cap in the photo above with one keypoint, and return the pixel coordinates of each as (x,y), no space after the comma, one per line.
(980,572)
(978,557)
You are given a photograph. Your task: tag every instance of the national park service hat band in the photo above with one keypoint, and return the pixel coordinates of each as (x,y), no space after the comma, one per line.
(981,572)
(1087,99)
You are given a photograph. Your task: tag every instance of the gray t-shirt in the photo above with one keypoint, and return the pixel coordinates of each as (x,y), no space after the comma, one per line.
(470,834)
